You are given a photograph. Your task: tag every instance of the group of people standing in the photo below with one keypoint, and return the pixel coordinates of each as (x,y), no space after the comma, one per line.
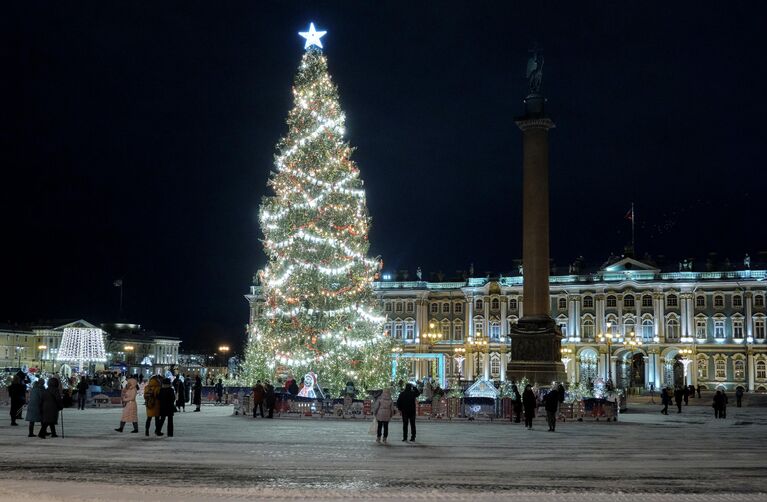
(263,393)
(43,407)
(383,410)
(528,402)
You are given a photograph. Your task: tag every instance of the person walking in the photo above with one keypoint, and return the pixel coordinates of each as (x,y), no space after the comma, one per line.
(698,389)
(130,409)
(82,392)
(686,394)
(34,413)
(383,409)
(723,412)
(739,397)
(516,404)
(152,404)
(219,388)
(178,388)
(406,407)
(718,404)
(50,405)
(17,391)
(187,389)
(167,398)
(258,398)
(197,392)
(270,398)
(529,403)
(551,404)
(665,399)
(678,394)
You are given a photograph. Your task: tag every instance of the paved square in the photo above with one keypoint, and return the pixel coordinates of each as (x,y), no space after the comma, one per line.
(216,455)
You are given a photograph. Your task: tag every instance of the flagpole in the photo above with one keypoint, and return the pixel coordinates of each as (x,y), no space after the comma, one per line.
(633,233)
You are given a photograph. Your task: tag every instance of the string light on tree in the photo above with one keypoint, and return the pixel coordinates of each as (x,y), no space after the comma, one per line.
(320,315)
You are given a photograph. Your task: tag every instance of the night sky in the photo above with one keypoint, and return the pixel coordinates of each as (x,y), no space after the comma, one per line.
(137,138)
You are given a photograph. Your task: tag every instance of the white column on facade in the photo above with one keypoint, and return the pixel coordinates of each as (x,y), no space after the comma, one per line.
(504,361)
(602,365)
(486,321)
(577,317)
(520,304)
(600,311)
(660,321)
(570,316)
(749,314)
(683,310)
(504,327)
(690,316)
(621,327)
(647,371)
(486,364)
(470,316)
(751,372)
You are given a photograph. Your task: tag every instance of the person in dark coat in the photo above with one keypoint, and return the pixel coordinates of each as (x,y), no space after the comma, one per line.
(561,393)
(723,413)
(406,407)
(187,389)
(665,400)
(219,388)
(197,392)
(529,403)
(270,398)
(718,404)
(678,396)
(34,413)
(686,395)
(259,392)
(698,389)
(739,397)
(293,387)
(167,399)
(17,391)
(82,392)
(50,405)
(178,388)
(516,404)
(551,404)
(692,391)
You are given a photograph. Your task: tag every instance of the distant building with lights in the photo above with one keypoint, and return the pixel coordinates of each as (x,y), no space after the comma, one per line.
(627,320)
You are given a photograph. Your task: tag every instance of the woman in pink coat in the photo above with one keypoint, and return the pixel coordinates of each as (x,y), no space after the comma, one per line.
(130,410)
(383,409)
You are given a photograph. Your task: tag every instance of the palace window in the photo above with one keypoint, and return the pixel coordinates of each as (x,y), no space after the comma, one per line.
(739,369)
(759,330)
(718,328)
(737,301)
(399,307)
(388,328)
(672,329)
(387,307)
(495,330)
(700,301)
(458,331)
(588,302)
(628,301)
(647,329)
(563,327)
(703,369)
(647,301)
(719,301)
(434,308)
(761,370)
(398,331)
(720,369)
(495,366)
(495,304)
(479,327)
(587,329)
(759,300)
(562,304)
(445,328)
(513,304)
(700,328)
(672,300)
(410,307)
(458,308)
(445,308)
(737,328)
(479,305)
(409,330)
(611,301)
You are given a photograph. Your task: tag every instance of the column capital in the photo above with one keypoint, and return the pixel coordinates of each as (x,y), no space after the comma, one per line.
(526,123)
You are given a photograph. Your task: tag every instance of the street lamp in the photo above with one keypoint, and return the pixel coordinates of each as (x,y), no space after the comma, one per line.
(42,348)
(566,356)
(686,359)
(224,349)
(608,338)
(478,344)
(459,358)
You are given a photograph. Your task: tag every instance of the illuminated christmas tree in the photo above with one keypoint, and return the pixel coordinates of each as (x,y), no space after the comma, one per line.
(320,314)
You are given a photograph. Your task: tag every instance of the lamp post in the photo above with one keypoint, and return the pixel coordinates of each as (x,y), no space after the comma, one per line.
(478,344)
(459,358)
(224,349)
(631,342)
(567,354)
(608,339)
(19,348)
(686,359)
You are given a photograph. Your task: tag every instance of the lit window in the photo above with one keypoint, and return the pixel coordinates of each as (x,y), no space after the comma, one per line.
(409,330)
(759,330)
(647,329)
(702,369)
(700,328)
(495,366)
(478,328)
(562,303)
(761,370)
(739,369)
(495,330)
(737,328)
(718,328)
(647,301)
(398,330)
(588,302)
(737,301)
(628,301)
(445,329)
(672,301)
(672,329)
(719,301)
(611,301)
(445,308)
(458,331)
(720,369)
(700,301)
(587,329)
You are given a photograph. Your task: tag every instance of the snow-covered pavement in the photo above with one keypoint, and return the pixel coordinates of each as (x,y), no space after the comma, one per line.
(690,456)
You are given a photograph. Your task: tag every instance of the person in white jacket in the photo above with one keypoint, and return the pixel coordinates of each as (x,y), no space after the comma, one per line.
(383,409)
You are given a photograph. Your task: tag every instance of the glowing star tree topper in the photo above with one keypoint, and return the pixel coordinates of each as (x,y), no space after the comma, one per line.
(319,314)
(312,36)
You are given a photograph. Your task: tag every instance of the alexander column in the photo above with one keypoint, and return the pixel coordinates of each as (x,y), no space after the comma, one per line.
(535,339)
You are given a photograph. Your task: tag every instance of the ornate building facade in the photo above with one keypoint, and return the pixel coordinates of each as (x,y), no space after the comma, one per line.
(628,321)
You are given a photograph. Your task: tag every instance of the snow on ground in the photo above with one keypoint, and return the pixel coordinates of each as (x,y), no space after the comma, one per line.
(688,456)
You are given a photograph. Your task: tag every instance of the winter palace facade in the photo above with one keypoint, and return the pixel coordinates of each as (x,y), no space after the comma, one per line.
(628,321)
